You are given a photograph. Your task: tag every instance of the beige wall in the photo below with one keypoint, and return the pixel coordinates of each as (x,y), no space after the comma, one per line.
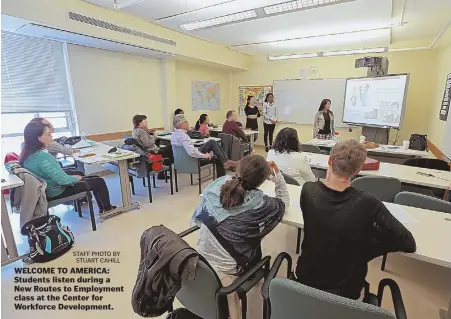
(443,68)
(55,13)
(420,65)
(110,87)
(185,74)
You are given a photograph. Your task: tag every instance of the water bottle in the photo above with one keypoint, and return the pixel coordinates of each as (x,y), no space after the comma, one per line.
(83,135)
(336,136)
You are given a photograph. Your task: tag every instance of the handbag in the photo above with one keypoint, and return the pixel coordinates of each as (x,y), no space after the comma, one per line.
(47,238)
(418,142)
(157,161)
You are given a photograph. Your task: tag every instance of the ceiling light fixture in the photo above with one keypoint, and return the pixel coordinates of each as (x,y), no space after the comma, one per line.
(357,51)
(293,56)
(299,4)
(219,20)
(323,54)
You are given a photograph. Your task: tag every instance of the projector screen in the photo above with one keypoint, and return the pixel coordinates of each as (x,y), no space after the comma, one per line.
(376,101)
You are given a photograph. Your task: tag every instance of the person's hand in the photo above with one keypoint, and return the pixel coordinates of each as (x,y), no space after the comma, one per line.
(274,122)
(274,168)
(78,177)
(151,131)
(207,156)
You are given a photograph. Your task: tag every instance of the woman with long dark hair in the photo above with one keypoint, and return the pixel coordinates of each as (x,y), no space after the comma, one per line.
(252,113)
(234,211)
(288,157)
(39,162)
(202,125)
(269,119)
(323,126)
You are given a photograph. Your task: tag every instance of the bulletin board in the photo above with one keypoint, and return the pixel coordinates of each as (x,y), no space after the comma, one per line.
(258,92)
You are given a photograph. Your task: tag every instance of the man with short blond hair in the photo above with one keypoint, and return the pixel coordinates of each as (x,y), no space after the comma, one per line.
(345,228)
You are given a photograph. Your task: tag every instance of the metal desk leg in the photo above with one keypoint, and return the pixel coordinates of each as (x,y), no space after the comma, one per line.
(8,233)
(251,141)
(127,203)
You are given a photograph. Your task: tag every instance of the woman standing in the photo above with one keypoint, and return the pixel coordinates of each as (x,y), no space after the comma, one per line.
(252,113)
(323,126)
(269,119)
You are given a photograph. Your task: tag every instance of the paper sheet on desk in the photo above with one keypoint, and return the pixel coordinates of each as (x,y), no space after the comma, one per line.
(401,215)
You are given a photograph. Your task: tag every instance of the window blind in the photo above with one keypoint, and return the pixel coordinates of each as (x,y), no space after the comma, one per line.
(34,75)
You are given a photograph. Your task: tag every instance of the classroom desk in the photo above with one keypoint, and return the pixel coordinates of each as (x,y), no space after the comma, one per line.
(406,174)
(101,151)
(386,153)
(422,223)
(168,138)
(8,244)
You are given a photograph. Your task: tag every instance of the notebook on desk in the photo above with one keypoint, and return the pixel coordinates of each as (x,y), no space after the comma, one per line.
(81,144)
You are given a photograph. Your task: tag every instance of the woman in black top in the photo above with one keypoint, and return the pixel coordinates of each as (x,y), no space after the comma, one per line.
(252,113)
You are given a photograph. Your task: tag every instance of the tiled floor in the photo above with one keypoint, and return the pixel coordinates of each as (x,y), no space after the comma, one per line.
(425,287)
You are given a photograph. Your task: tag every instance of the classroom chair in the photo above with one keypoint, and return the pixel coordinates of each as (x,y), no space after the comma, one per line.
(384,188)
(290,180)
(286,298)
(233,147)
(423,201)
(183,163)
(76,199)
(308,148)
(206,297)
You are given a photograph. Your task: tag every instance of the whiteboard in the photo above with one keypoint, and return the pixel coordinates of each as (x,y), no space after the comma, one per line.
(446,142)
(298,100)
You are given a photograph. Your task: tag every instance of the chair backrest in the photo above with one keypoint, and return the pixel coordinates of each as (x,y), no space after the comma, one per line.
(290,180)
(428,163)
(384,188)
(232,146)
(184,163)
(310,149)
(199,295)
(423,201)
(289,297)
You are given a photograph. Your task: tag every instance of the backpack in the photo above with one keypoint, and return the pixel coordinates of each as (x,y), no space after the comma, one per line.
(47,238)
(195,135)
(182,313)
(418,142)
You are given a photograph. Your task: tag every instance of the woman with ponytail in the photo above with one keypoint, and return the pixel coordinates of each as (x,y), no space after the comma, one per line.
(202,125)
(234,216)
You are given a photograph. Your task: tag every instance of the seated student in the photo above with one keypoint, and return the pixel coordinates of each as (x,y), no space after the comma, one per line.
(178,111)
(231,127)
(54,148)
(202,125)
(142,134)
(291,161)
(39,162)
(345,228)
(234,216)
(180,138)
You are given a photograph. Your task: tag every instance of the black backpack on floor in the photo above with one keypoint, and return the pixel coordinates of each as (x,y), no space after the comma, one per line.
(47,238)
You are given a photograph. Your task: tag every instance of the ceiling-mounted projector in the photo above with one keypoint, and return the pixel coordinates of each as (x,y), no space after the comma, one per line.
(377,66)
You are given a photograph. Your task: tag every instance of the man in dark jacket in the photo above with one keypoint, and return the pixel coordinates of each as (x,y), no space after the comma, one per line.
(160,272)
(345,228)
(231,127)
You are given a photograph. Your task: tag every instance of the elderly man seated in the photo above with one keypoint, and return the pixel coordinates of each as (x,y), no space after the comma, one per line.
(181,138)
